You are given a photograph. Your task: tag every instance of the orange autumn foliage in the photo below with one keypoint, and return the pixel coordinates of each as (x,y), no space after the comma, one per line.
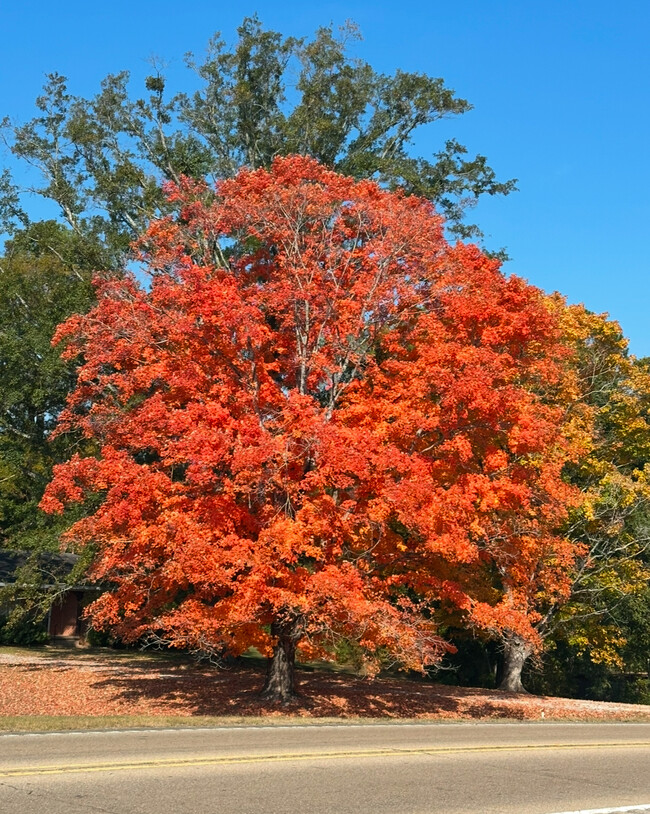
(318,417)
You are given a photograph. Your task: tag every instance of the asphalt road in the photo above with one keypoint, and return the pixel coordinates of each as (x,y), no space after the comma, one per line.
(514,768)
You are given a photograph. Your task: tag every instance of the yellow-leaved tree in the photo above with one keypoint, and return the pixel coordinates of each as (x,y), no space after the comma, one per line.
(608,406)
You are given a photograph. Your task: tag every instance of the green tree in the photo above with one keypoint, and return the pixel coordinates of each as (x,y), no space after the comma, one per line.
(37,291)
(102,160)
(42,282)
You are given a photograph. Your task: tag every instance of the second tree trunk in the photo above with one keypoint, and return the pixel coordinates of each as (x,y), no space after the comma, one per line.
(516,652)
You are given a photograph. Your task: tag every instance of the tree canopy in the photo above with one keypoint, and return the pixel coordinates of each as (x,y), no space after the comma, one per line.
(319,420)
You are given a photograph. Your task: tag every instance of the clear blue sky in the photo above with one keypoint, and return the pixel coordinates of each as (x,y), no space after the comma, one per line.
(560,93)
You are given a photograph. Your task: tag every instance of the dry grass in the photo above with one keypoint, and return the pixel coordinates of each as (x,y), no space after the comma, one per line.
(62,689)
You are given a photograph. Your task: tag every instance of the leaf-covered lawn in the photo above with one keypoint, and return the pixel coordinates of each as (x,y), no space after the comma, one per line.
(112,684)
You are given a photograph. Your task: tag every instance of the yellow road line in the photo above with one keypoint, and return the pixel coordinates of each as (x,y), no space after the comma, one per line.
(217,760)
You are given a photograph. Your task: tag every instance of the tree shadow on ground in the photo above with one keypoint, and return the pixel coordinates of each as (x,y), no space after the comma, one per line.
(112,686)
(235,691)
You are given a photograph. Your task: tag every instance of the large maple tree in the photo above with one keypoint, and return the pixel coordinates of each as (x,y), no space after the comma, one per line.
(317,421)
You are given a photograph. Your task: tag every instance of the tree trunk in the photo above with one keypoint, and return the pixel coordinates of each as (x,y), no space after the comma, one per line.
(516,652)
(280,681)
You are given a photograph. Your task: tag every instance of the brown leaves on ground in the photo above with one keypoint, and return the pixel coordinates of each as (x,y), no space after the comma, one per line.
(115,684)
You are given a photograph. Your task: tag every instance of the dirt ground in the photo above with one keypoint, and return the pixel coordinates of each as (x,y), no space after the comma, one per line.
(56,682)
